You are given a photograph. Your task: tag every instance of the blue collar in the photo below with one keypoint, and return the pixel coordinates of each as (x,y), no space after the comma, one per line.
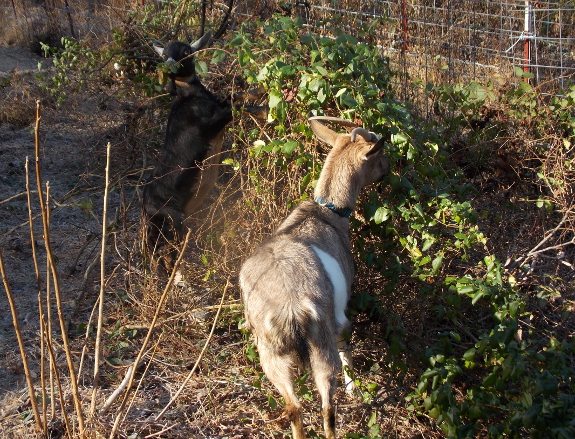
(344,212)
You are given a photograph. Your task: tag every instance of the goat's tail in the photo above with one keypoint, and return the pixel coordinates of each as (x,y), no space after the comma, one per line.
(290,333)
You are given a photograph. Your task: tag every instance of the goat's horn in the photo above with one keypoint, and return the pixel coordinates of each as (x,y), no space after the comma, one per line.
(203,41)
(367,135)
(338,120)
(159,50)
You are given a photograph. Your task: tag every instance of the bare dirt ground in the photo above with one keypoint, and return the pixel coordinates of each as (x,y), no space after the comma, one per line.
(13,58)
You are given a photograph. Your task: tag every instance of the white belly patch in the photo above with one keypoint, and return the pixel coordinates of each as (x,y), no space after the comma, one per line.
(337,279)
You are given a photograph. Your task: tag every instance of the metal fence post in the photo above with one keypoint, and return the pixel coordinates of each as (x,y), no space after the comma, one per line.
(527,37)
(404,25)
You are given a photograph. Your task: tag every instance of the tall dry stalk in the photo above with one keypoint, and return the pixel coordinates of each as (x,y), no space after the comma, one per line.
(50,331)
(97,348)
(52,264)
(40,301)
(14,312)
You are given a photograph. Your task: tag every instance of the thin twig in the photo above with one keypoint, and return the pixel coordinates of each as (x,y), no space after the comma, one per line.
(161,432)
(97,348)
(25,223)
(186,313)
(550,234)
(199,357)
(13,197)
(148,335)
(117,392)
(53,368)
(535,250)
(29,382)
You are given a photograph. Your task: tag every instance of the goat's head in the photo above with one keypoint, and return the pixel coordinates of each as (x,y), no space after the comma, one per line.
(181,55)
(359,154)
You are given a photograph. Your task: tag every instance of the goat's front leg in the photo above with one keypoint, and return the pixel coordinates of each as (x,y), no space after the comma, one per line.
(346,365)
(251,95)
(258,111)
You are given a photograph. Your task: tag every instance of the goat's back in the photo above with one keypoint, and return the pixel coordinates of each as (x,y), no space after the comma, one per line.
(288,285)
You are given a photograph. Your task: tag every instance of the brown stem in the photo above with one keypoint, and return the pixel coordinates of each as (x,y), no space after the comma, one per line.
(97,348)
(40,306)
(61,392)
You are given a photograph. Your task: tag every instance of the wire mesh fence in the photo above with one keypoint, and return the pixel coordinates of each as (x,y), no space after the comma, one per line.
(437,41)
(462,40)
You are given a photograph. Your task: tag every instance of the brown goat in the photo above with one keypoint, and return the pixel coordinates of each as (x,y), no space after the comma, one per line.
(296,285)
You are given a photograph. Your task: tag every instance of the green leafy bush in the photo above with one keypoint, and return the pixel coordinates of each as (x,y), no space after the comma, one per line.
(416,227)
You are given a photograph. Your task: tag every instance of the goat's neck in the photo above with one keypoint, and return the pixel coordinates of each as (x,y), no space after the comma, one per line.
(187,86)
(333,188)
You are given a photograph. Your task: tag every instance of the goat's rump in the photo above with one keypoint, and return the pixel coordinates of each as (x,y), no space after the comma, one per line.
(290,302)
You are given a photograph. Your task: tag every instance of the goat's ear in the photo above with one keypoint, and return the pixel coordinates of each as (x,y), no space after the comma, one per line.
(378,146)
(159,50)
(323,133)
(202,42)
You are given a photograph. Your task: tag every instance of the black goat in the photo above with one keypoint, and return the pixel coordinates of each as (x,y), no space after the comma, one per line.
(186,170)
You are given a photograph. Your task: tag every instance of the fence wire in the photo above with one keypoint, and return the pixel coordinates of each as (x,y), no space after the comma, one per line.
(437,41)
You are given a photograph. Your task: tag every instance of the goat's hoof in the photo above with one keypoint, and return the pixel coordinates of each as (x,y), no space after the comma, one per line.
(260,112)
(256,93)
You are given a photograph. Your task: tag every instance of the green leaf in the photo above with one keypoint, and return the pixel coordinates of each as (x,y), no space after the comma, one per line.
(320,69)
(305,182)
(525,87)
(274,98)
(478,295)
(469,355)
(491,379)
(321,96)
(381,214)
(201,67)
(326,42)
(476,412)
(419,210)
(289,147)
(436,264)
(237,41)
(272,402)
(219,56)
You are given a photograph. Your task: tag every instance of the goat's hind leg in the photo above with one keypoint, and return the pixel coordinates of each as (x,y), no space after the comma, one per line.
(259,112)
(325,367)
(280,372)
